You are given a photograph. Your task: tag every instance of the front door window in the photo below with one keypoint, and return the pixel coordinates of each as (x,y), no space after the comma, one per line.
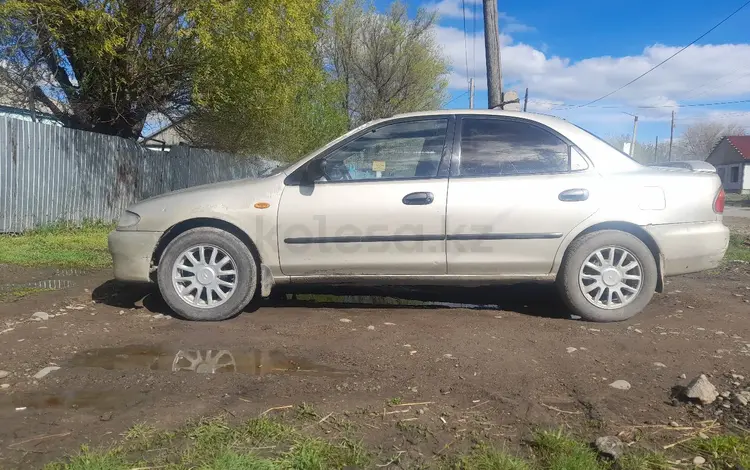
(402,150)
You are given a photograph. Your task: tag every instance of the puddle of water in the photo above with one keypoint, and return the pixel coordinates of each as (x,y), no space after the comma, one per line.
(383,300)
(200,361)
(48,284)
(109,399)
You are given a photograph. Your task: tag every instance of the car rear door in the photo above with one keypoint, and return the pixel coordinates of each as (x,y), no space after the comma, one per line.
(379,211)
(516,189)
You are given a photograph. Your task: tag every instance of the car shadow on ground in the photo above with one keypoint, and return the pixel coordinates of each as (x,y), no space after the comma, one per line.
(131,296)
(539,300)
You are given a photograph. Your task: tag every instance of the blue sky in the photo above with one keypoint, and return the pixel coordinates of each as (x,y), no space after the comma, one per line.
(574,52)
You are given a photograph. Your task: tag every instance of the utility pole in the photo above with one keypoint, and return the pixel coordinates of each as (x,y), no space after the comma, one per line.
(635,131)
(526,99)
(492,55)
(656,150)
(671,136)
(471,93)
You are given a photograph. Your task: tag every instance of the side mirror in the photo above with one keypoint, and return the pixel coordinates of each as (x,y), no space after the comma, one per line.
(315,170)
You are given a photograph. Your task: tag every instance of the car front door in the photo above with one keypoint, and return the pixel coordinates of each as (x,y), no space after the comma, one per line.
(516,189)
(378,209)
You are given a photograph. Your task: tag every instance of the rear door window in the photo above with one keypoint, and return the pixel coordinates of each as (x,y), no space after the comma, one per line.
(496,147)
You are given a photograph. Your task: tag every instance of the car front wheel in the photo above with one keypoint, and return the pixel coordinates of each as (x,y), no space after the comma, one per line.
(608,276)
(207,274)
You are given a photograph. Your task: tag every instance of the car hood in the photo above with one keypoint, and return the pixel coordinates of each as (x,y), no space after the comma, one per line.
(204,189)
(230,201)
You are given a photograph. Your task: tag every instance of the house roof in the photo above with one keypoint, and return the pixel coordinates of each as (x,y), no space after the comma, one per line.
(741,143)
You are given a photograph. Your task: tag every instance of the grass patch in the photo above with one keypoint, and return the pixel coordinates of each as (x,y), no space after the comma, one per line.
(645,461)
(485,457)
(738,248)
(214,444)
(265,444)
(60,245)
(89,460)
(725,451)
(556,450)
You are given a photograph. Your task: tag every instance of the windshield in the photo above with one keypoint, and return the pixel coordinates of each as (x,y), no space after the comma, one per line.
(284,166)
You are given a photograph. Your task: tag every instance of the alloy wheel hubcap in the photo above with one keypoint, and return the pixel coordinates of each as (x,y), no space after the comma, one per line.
(611,277)
(204,276)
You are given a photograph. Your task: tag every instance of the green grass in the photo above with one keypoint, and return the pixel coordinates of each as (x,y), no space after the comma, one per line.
(60,245)
(645,461)
(213,444)
(725,451)
(738,249)
(265,444)
(556,450)
(485,457)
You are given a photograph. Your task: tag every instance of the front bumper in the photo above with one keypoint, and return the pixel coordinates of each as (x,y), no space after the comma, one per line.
(131,254)
(692,247)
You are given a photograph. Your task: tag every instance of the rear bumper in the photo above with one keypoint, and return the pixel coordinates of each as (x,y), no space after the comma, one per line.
(131,254)
(689,248)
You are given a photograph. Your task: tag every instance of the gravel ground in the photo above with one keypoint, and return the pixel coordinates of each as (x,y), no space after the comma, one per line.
(500,361)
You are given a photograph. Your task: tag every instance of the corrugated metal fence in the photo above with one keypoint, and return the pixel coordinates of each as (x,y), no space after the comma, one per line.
(50,174)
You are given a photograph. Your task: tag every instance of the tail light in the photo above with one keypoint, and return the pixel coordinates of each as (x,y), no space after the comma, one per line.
(719,201)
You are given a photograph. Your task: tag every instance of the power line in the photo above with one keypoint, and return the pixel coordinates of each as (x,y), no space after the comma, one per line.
(456,97)
(714,80)
(725,83)
(687,105)
(667,59)
(466,46)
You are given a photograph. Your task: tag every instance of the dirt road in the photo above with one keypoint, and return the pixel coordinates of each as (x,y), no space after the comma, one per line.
(511,356)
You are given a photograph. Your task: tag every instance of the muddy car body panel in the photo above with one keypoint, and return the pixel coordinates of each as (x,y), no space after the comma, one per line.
(446,197)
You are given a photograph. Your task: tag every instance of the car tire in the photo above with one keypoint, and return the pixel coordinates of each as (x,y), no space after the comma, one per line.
(574,277)
(244,279)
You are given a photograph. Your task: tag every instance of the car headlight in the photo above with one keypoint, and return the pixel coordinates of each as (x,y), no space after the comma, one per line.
(128,219)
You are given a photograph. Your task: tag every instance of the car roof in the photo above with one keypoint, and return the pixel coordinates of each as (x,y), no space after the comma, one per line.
(481,112)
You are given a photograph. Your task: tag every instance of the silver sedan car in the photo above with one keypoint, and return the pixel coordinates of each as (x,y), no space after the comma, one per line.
(433,198)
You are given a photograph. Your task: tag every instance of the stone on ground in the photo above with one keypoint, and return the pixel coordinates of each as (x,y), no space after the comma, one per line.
(620,385)
(702,390)
(40,316)
(44,372)
(609,446)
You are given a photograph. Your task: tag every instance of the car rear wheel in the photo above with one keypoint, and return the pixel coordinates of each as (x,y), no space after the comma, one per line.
(207,274)
(608,276)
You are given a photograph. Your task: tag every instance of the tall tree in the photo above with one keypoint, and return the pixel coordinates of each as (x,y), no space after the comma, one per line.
(387,63)
(100,65)
(262,88)
(698,140)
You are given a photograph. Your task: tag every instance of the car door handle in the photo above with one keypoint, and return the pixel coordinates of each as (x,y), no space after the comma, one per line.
(418,199)
(571,195)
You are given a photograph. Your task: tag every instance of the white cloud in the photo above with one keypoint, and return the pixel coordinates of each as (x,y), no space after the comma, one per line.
(511,24)
(473,9)
(699,74)
(454,8)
